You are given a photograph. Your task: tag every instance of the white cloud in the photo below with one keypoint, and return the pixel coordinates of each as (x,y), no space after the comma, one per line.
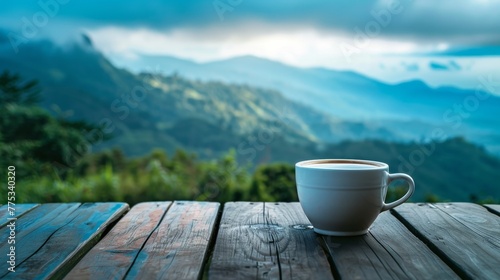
(301,47)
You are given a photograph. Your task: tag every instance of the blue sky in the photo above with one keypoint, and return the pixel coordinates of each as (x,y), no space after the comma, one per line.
(441,42)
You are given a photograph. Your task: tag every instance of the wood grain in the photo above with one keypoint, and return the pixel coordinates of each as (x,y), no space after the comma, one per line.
(388,251)
(267,241)
(52,237)
(113,256)
(28,238)
(20,209)
(178,247)
(465,235)
(164,240)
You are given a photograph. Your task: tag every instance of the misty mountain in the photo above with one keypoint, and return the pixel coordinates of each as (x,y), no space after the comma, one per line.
(411,110)
(148,110)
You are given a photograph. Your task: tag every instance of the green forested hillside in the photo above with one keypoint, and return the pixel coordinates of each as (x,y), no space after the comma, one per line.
(79,83)
(54,162)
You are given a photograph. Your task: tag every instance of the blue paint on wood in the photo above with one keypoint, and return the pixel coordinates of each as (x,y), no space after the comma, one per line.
(20,209)
(54,235)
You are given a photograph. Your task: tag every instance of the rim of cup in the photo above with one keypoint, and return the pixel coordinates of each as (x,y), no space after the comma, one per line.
(374,165)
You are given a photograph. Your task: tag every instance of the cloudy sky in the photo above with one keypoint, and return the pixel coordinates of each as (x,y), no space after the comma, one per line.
(442,42)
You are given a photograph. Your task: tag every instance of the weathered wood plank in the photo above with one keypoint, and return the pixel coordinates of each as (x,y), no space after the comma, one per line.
(20,209)
(495,208)
(267,240)
(388,251)
(113,256)
(178,247)
(465,235)
(54,236)
(28,239)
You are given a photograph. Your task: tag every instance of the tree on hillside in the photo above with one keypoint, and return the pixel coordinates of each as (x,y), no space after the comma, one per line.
(30,137)
(274,182)
(13,90)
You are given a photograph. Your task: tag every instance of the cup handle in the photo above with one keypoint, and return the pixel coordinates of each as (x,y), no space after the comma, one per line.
(411,189)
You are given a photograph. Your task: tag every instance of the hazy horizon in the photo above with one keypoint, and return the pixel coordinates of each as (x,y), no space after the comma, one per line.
(442,44)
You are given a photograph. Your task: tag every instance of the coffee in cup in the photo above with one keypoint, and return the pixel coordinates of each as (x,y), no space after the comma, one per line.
(343,197)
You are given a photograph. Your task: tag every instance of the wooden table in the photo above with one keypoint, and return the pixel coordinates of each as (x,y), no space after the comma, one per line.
(245,240)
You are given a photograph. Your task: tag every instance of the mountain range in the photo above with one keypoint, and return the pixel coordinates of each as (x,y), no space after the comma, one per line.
(268,112)
(81,83)
(410,110)
(316,104)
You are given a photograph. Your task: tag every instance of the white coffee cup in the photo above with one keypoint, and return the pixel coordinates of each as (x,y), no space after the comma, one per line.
(343,197)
